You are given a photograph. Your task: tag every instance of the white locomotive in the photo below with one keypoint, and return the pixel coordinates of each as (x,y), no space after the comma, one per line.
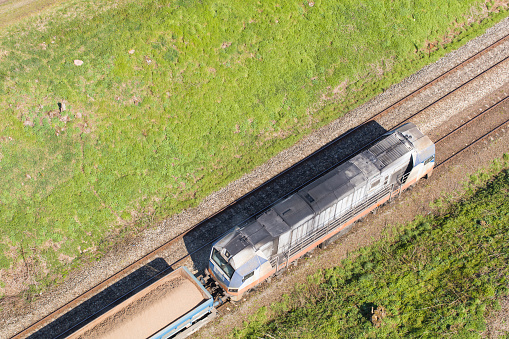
(321,211)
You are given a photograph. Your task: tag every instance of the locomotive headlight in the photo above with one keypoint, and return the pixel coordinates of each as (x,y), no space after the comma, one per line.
(234,290)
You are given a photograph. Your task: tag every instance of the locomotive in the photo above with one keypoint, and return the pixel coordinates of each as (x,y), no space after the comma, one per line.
(321,211)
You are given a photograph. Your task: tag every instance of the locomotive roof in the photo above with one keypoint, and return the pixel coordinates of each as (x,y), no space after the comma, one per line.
(390,149)
(321,193)
(293,210)
(335,184)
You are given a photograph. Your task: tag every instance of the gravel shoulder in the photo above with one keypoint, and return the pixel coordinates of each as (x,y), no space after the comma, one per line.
(446,181)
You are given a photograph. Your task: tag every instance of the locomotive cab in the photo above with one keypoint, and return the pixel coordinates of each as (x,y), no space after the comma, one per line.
(237,264)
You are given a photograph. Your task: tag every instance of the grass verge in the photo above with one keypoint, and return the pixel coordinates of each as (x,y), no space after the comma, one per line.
(13,11)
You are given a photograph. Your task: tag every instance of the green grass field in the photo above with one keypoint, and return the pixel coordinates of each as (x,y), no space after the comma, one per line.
(176,99)
(438,277)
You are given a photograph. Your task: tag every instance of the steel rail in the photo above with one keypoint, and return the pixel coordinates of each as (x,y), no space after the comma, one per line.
(481,114)
(448,72)
(484,136)
(453,91)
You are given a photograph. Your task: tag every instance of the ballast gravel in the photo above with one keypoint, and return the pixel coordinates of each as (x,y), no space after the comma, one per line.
(15,320)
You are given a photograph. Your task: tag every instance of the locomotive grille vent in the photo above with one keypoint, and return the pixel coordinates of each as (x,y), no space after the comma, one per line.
(389,150)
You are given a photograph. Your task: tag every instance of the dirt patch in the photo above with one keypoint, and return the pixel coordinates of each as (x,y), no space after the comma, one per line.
(21,274)
(154,309)
(478,13)
(498,321)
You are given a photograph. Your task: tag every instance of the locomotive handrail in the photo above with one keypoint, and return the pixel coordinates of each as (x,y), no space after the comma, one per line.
(403,178)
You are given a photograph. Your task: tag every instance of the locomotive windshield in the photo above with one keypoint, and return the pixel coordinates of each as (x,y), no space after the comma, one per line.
(223,264)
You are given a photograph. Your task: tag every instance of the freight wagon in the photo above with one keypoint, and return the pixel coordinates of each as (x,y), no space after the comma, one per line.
(173,307)
(322,210)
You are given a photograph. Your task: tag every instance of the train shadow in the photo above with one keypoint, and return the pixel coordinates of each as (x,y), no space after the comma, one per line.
(350,143)
(198,241)
(105,300)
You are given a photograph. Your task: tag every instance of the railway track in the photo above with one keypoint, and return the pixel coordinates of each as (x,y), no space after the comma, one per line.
(156,252)
(483,131)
